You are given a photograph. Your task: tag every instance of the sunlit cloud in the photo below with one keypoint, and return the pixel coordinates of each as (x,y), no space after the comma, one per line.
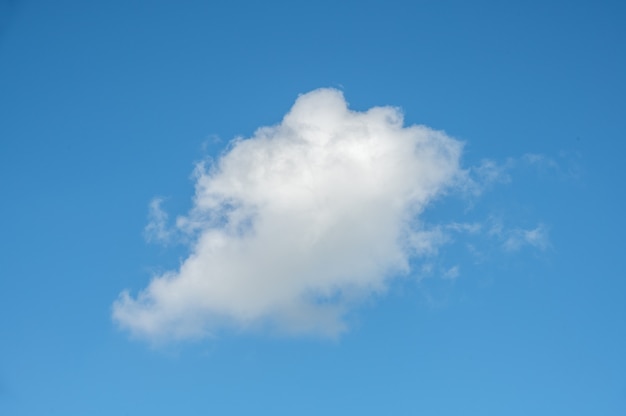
(292,227)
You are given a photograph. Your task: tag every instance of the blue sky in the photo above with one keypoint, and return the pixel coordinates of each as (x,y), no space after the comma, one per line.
(481,274)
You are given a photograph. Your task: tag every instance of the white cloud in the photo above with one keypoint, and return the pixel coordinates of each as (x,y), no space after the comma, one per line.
(486,175)
(295,224)
(514,238)
(451,274)
(157,229)
(567,166)
(536,237)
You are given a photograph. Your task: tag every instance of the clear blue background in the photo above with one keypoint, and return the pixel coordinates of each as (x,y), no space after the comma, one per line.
(106,104)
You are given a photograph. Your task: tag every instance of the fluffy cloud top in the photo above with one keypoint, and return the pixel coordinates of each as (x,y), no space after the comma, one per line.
(293,225)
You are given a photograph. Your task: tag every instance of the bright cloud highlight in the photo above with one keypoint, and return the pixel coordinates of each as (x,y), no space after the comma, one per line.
(298,222)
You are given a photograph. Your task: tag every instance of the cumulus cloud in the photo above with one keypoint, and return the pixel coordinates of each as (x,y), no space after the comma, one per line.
(294,225)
